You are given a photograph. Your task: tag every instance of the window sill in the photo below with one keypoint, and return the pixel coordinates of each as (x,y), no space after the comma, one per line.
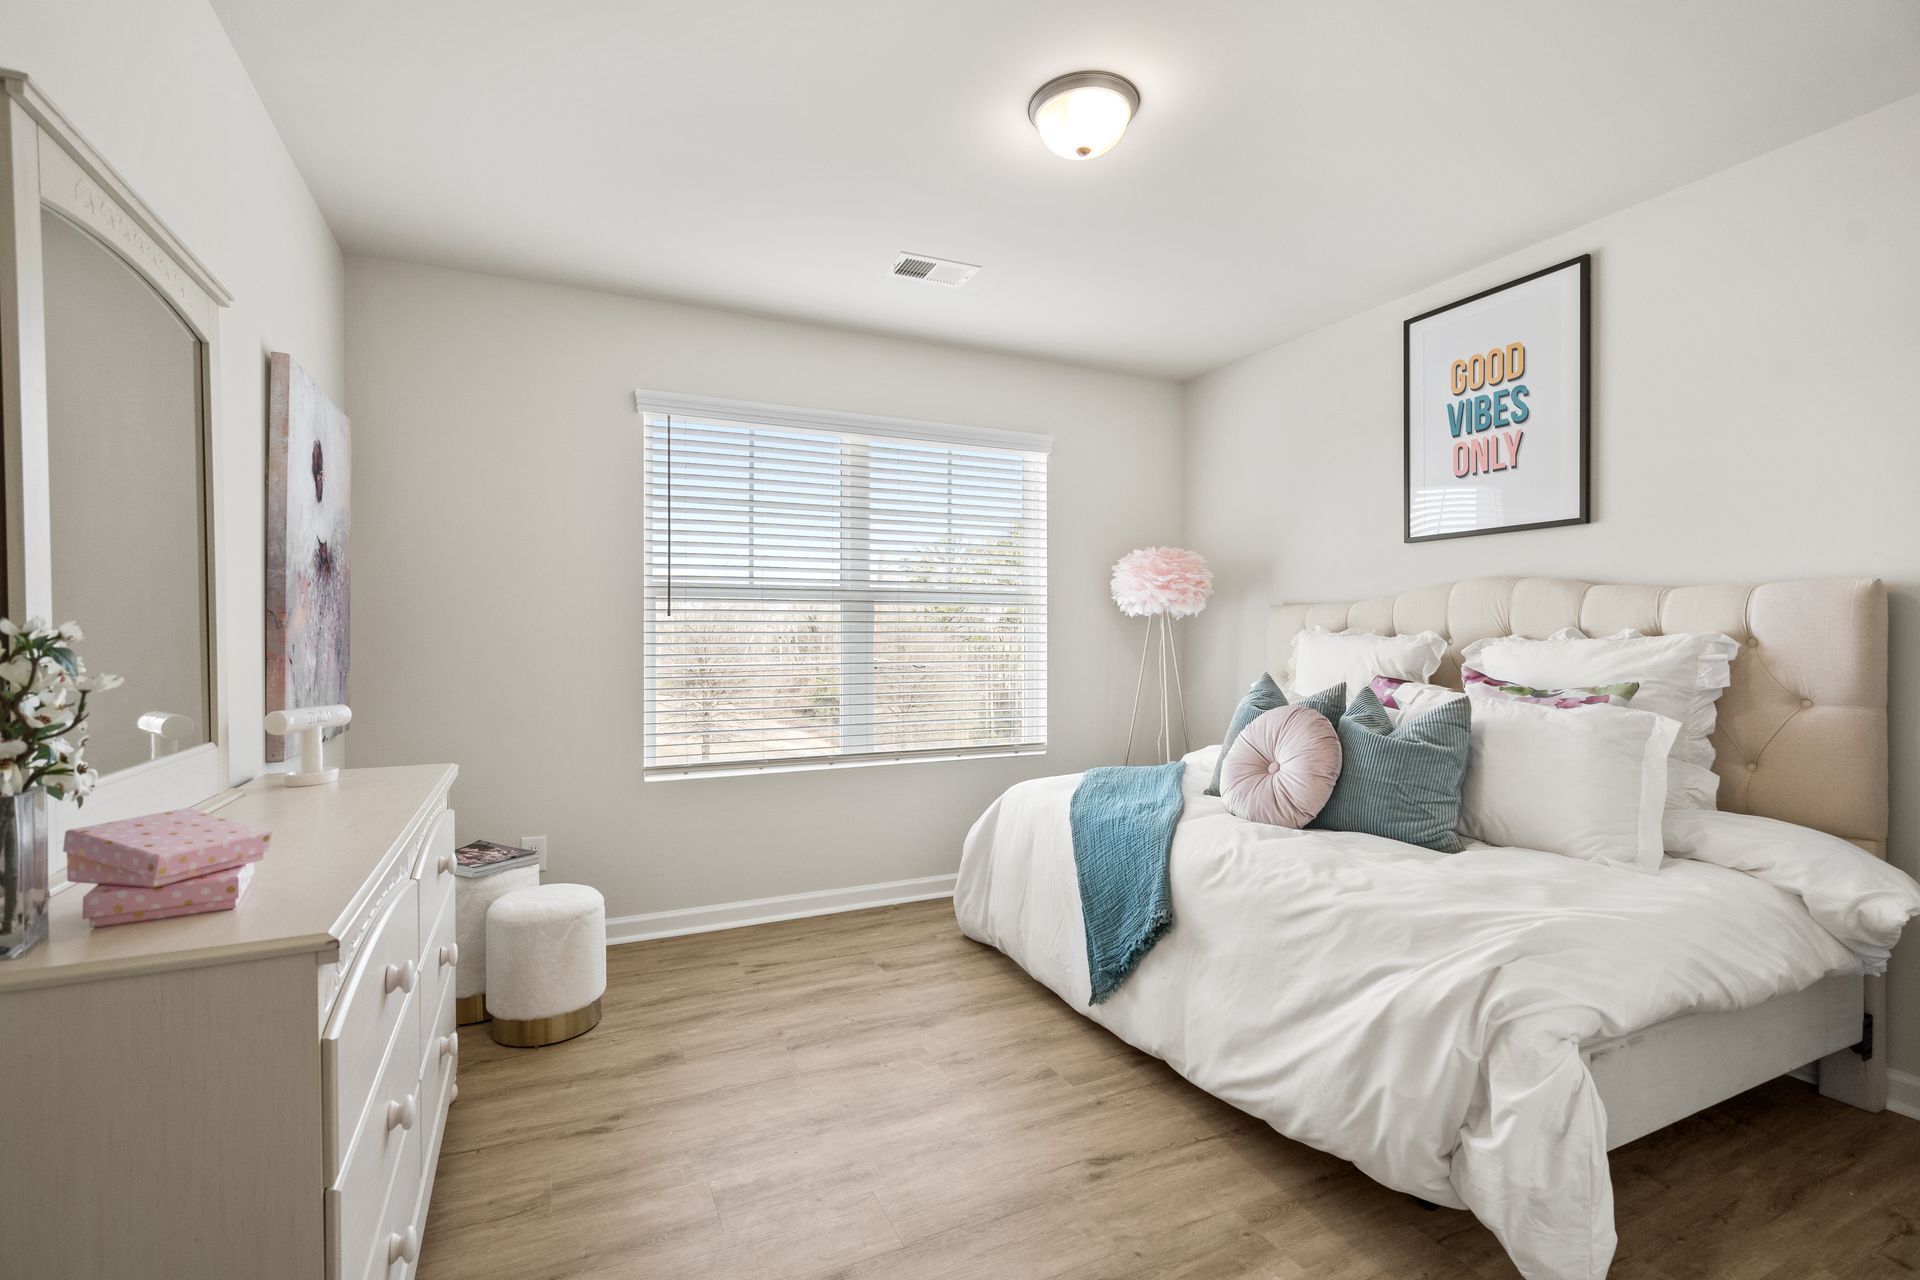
(745,770)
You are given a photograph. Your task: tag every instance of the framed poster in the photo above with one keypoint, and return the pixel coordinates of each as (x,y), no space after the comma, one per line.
(1496,408)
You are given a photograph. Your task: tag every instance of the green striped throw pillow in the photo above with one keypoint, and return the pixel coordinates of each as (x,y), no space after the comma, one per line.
(1401,781)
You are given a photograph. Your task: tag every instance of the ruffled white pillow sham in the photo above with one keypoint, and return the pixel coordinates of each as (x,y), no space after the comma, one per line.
(1680,676)
(1323,658)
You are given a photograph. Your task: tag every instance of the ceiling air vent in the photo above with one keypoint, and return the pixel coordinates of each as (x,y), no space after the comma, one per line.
(918,266)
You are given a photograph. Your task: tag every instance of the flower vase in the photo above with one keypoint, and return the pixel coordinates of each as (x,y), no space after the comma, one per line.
(23,872)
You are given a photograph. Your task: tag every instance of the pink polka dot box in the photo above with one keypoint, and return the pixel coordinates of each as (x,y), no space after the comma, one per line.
(107,904)
(158,849)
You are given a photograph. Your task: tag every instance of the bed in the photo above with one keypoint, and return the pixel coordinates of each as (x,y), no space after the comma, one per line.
(1575,1007)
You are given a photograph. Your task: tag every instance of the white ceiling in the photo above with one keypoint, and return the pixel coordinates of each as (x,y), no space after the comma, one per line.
(1293,162)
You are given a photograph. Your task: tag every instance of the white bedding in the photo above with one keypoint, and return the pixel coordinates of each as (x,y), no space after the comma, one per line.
(1415,1013)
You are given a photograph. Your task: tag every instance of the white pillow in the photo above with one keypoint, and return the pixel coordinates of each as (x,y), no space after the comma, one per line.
(1856,897)
(1680,676)
(1323,658)
(1589,782)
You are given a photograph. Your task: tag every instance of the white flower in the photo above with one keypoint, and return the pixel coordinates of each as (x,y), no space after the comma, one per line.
(10,779)
(75,786)
(38,713)
(100,683)
(16,672)
(7,627)
(49,675)
(71,632)
(35,626)
(11,748)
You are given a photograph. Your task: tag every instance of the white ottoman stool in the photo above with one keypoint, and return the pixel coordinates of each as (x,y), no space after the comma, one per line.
(472,895)
(546,964)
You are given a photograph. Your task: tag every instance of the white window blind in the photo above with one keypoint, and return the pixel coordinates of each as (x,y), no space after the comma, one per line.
(826,590)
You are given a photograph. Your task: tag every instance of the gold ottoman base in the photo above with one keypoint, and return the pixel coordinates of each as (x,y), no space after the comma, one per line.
(534,1032)
(468,1010)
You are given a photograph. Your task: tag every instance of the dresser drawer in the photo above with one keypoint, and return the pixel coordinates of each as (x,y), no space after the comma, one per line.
(383,1161)
(437,1070)
(396,1246)
(359,932)
(439,955)
(396,1250)
(433,868)
(366,1021)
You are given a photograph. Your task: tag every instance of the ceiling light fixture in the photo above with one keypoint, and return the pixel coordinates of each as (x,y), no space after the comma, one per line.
(1081,116)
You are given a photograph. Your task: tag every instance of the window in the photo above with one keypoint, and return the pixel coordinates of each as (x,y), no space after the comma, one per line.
(831,590)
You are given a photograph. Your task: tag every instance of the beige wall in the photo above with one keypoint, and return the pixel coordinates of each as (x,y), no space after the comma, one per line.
(496,612)
(157,88)
(1756,341)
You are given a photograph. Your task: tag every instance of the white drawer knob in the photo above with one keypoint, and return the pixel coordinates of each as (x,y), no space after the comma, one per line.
(401,977)
(401,1115)
(450,1045)
(444,862)
(450,954)
(403,1246)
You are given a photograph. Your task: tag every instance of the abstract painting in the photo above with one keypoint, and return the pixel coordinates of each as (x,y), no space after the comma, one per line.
(309,500)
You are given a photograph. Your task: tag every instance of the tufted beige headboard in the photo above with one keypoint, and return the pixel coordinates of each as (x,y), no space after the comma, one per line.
(1802,732)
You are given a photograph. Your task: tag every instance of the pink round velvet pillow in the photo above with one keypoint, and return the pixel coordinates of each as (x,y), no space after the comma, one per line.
(1282,767)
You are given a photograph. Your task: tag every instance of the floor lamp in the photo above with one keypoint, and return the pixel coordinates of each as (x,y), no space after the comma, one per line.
(1161,584)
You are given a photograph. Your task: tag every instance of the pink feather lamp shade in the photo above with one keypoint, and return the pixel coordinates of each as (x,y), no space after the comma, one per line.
(1161,584)
(1169,580)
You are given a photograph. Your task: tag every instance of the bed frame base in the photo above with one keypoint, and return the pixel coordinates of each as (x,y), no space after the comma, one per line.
(1686,1064)
(1858,1078)
(1654,1077)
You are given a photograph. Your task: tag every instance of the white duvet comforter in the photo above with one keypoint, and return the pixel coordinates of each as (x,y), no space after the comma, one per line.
(1415,1013)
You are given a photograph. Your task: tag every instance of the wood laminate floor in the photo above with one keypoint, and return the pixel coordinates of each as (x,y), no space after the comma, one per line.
(872,1095)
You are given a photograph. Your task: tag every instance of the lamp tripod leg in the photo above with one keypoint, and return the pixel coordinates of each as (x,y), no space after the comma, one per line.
(1179,690)
(1139,682)
(1166,716)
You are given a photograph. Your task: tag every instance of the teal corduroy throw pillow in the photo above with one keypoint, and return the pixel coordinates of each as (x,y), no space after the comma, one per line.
(1401,781)
(1265,695)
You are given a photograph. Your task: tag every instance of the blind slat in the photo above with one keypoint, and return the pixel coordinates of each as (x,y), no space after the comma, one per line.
(721,766)
(953,726)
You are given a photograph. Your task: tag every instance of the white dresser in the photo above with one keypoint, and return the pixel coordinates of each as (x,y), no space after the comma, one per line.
(247,1094)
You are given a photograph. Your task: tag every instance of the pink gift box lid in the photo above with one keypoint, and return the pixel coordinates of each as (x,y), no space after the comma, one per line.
(111,904)
(160,848)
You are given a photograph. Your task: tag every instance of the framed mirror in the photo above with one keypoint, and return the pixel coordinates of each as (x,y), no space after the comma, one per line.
(109,354)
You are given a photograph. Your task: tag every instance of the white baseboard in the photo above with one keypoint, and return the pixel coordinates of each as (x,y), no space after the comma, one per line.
(1903,1093)
(793,906)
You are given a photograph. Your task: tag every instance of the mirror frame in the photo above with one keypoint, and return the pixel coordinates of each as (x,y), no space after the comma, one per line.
(45,162)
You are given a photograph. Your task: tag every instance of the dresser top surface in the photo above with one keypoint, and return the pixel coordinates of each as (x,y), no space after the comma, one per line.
(328,843)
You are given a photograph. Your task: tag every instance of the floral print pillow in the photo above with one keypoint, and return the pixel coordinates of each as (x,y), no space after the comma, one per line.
(1480,685)
(1383,688)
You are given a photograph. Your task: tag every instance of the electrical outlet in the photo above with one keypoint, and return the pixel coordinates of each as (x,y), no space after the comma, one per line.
(539,845)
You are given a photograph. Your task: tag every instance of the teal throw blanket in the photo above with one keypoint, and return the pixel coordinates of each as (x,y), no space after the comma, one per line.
(1123,818)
